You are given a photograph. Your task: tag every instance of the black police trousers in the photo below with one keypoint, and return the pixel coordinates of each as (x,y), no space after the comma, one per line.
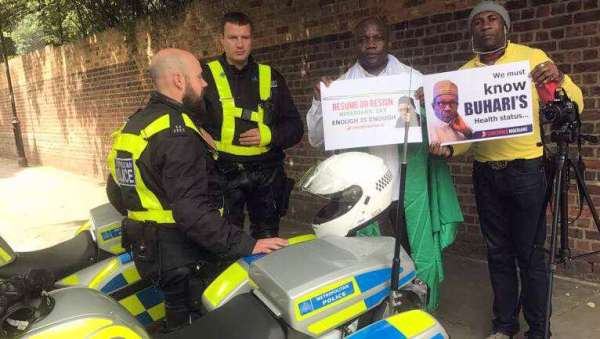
(175,270)
(258,189)
(511,203)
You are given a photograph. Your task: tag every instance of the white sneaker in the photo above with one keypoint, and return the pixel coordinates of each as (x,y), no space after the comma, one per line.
(498,335)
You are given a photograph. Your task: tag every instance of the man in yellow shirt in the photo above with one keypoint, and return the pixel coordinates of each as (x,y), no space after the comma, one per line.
(510,183)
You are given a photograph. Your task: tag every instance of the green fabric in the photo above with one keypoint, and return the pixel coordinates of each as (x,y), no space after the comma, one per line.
(432,213)
(372,230)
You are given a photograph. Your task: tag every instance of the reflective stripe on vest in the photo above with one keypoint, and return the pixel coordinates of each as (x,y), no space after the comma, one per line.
(135,144)
(230,111)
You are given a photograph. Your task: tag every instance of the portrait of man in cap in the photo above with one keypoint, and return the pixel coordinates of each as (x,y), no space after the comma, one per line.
(448,125)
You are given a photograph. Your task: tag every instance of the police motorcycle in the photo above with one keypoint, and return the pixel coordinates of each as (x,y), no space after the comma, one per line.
(334,285)
(93,258)
(27,311)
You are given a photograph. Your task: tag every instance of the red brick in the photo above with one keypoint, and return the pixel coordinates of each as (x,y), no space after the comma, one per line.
(574,6)
(587,16)
(587,67)
(524,26)
(556,21)
(542,11)
(590,4)
(557,33)
(590,54)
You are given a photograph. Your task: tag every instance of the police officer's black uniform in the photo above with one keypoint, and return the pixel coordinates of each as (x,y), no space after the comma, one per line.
(166,178)
(256,180)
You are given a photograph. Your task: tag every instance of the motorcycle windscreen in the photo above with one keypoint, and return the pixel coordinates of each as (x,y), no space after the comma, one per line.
(337,204)
(6,253)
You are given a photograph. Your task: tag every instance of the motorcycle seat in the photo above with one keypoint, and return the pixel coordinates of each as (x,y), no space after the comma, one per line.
(61,259)
(243,317)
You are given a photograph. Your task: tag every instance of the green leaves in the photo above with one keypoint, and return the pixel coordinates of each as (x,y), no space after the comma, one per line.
(11,12)
(32,24)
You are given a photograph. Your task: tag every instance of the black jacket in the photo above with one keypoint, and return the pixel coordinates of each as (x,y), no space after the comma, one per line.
(286,126)
(179,170)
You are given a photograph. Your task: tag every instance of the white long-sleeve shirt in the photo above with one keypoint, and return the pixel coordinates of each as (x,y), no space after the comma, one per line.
(388,153)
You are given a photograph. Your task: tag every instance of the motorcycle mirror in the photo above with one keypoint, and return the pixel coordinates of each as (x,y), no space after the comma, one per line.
(7,255)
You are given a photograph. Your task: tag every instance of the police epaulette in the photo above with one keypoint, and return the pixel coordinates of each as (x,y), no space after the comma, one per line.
(177,124)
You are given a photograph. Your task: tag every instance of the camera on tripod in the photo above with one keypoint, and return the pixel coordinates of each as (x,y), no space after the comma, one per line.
(562,114)
(561,111)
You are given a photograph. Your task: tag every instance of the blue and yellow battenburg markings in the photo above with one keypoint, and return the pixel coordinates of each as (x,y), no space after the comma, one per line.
(326,298)
(341,291)
(365,282)
(129,276)
(146,305)
(110,234)
(376,298)
(401,326)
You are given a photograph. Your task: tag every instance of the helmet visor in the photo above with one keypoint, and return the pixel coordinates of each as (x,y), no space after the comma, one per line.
(337,204)
(323,180)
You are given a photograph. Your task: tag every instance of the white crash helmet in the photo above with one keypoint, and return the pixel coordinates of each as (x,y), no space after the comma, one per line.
(357,186)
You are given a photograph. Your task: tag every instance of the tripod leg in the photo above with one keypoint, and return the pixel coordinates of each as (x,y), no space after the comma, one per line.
(565,251)
(586,194)
(557,191)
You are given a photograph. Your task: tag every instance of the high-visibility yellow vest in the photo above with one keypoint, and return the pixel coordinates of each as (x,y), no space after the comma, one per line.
(230,112)
(122,161)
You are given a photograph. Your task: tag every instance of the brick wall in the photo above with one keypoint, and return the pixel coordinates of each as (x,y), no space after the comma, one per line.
(70,98)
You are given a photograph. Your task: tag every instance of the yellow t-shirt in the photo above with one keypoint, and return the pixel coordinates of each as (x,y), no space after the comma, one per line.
(528,146)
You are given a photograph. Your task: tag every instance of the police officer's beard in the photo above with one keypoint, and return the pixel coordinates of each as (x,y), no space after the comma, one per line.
(192,101)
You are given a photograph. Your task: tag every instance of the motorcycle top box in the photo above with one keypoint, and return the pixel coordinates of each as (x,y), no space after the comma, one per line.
(106,221)
(317,285)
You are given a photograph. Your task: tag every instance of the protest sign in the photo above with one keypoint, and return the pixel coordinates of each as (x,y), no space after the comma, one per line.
(364,112)
(481,103)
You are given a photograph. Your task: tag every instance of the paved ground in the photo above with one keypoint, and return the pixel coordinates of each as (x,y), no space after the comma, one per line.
(465,305)
(41,206)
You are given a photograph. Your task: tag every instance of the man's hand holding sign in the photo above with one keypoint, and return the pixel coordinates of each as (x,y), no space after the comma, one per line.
(317,88)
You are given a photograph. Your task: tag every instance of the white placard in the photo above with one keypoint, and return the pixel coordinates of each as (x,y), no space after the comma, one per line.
(364,112)
(493,102)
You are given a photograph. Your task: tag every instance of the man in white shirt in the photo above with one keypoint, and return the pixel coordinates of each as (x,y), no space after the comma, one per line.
(372,39)
(431,206)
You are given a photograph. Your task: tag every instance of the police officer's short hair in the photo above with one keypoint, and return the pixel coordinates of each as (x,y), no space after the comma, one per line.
(237,18)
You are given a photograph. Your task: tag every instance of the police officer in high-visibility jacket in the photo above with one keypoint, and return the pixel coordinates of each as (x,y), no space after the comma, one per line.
(251,115)
(162,168)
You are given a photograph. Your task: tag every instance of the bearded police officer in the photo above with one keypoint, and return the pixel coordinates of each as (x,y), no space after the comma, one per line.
(162,170)
(252,117)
